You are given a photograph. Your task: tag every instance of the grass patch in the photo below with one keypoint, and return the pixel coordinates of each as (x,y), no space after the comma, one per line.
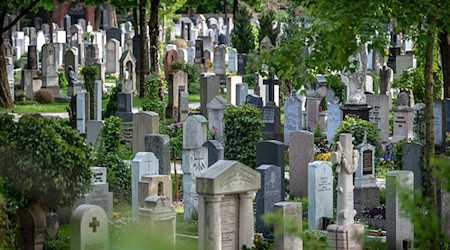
(186,227)
(55,107)
(194,97)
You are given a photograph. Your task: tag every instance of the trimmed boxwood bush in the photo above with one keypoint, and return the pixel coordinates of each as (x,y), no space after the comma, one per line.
(243,125)
(90,73)
(44,96)
(357,128)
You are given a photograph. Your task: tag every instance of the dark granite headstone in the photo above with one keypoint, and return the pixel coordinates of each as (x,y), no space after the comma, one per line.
(124,107)
(241,93)
(271,122)
(356,111)
(267,196)
(412,159)
(32,61)
(271,152)
(222,39)
(158,144)
(137,52)
(199,56)
(215,151)
(114,33)
(254,100)
(242,63)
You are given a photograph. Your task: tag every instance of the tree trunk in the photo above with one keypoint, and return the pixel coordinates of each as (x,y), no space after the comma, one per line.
(5,94)
(429,103)
(144,46)
(444,45)
(154,37)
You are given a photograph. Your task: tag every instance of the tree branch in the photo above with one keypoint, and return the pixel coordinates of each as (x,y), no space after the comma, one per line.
(23,12)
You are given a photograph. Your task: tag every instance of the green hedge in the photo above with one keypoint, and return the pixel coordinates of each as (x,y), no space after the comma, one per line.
(357,128)
(243,125)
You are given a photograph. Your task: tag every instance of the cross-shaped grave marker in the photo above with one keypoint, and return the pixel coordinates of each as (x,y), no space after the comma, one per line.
(94,224)
(271,81)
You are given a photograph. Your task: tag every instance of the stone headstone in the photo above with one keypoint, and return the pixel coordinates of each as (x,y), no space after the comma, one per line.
(291,212)
(320,193)
(154,185)
(242,63)
(292,115)
(194,131)
(184,105)
(144,163)
(93,128)
(268,195)
(254,100)
(82,111)
(400,229)
(144,123)
(233,61)
(113,56)
(271,152)
(128,69)
(32,62)
(89,228)
(271,115)
(124,106)
(403,63)
(301,145)
(333,121)
(98,93)
(312,112)
(232,81)
(226,216)
(50,78)
(412,160)
(216,110)
(215,151)
(209,88)
(219,60)
(403,123)
(379,114)
(158,144)
(158,217)
(241,93)
(438,122)
(179,79)
(115,33)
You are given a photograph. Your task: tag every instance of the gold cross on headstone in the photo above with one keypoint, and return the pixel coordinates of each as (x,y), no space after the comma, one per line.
(94,224)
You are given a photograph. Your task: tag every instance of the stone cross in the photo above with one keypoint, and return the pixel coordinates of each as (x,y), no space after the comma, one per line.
(94,224)
(271,82)
(346,161)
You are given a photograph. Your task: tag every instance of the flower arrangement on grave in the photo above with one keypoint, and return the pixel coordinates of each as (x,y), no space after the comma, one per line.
(212,133)
(378,212)
(323,156)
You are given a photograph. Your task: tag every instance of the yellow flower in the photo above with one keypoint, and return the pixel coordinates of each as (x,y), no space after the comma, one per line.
(116,214)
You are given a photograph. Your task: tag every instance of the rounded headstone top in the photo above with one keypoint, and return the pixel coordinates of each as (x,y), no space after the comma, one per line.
(180,43)
(403,99)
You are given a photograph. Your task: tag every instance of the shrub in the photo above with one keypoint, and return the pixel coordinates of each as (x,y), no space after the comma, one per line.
(152,101)
(44,96)
(43,160)
(111,107)
(414,79)
(63,84)
(357,128)
(107,155)
(243,125)
(90,73)
(243,29)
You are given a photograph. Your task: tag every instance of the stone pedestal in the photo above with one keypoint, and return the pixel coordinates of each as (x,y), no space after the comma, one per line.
(360,111)
(345,237)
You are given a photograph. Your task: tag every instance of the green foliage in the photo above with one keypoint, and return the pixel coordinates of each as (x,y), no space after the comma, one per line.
(175,131)
(111,107)
(249,79)
(90,73)
(56,242)
(339,88)
(419,125)
(72,111)
(63,84)
(191,70)
(194,88)
(108,155)
(152,102)
(318,134)
(357,128)
(243,29)
(266,20)
(243,125)
(414,79)
(6,233)
(43,160)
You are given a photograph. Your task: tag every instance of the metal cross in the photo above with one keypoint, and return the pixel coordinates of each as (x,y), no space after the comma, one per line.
(271,82)
(94,224)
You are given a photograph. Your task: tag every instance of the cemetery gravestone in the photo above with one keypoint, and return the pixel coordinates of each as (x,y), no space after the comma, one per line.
(400,229)
(112,56)
(254,100)
(128,72)
(179,79)
(320,193)
(158,217)
(269,194)
(438,122)
(216,110)
(215,151)
(89,228)
(184,105)
(333,121)
(403,119)
(82,110)
(289,211)
(93,128)
(242,63)
(301,145)
(233,61)
(209,88)
(49,76)
(379,114)
(412,159)
(232,81)
(271,152)
(144,163)
(241,93)
(98,92)
(226,217)
(158,144)
(144,123)
(154,185)
(124,107)
(292,115)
